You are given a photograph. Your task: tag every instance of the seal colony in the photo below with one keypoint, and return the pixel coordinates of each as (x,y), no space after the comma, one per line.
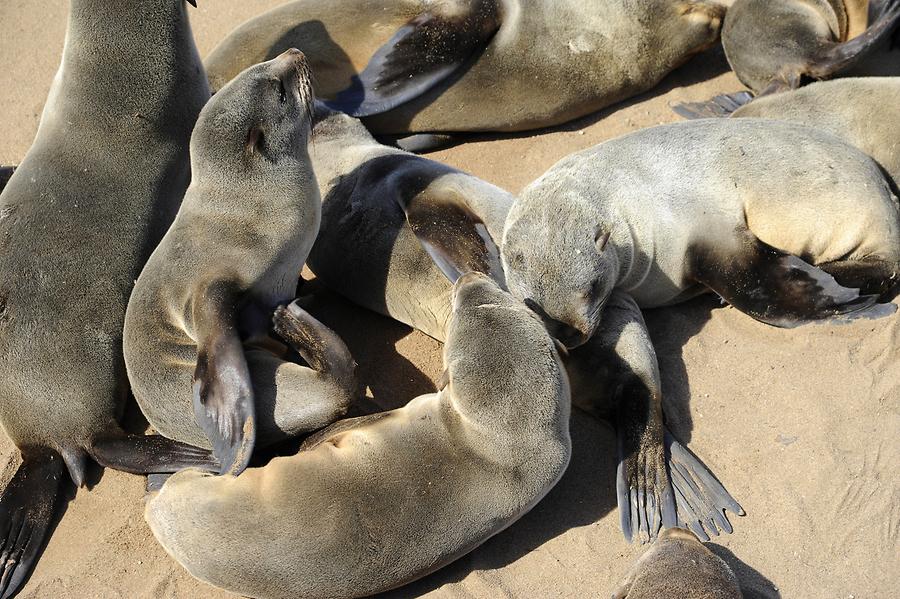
(537,297)
(417,66)
(78,218)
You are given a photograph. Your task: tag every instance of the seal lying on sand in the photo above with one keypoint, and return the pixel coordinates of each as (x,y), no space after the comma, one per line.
(373,253)
(679,565)
(78,219)
(372,503)
(200,314)
(864,111)
(744,208)
(462,65)
(772,46)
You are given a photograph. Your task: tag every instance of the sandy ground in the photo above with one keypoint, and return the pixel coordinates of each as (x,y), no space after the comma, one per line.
(802,426)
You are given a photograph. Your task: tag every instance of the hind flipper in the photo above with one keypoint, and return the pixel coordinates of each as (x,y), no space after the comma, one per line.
(150,454)
(27,508)
(717,107)
(6,172)
(422,54)
(701,498)
(835,58)
(223,392)
(426,142)
(778,288)
(875,276)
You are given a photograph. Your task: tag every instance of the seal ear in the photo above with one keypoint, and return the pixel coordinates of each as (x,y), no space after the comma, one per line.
(254,140)
(601,237)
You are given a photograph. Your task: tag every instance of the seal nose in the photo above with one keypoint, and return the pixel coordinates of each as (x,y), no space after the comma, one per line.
(291,57)
(570,336)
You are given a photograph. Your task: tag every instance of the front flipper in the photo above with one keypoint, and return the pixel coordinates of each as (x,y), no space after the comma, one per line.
(718,107)
(150,454)
(27,508)
(839,57)
(453,235)
(223,392)
(424,52)
(701,498)
(778,288)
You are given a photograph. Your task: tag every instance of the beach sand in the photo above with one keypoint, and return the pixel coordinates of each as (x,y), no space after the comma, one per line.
(802,425)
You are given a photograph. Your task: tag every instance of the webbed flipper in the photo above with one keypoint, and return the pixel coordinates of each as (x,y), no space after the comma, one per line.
(718,107)
(835,58)
(422,54)
(150,454)
(27,508)
(778,288)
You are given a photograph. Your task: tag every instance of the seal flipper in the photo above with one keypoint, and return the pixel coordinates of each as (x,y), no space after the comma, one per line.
(777,288)
(223,392)
(422,54)
(838,57)
(718,107)
(27,508)
(452,234)
(6,172)
(150,454)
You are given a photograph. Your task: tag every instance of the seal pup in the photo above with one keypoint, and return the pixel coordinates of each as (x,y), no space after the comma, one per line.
(462,65)
(844,107)
(773,46)
(372,503)
(78,219)
(758,211)
(200,313)
(679,565)
(383,208)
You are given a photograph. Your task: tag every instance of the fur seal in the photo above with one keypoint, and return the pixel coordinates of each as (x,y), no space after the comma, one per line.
(372,503)
(844,107)
(382,208)
(679,565)
(758,211)
(460,65)
(200,313)
(78,218)
(773,46)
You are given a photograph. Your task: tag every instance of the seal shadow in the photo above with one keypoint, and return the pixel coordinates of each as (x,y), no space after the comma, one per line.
(586,493)
(753,584)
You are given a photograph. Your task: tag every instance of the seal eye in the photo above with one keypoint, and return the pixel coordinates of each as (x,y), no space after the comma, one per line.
(282,92)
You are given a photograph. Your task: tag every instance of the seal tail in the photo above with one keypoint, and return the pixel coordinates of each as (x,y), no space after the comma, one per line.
(839,57)
(701,500)
(718,107)
(27,508)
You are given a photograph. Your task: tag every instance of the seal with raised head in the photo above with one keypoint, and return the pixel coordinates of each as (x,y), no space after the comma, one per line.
(679,565)
(200,315)
(844,107)
(383,208)
(773,46)
(78,219)
(372,503)
(462,65)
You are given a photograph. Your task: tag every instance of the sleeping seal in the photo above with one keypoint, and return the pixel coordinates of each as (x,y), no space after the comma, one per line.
(200,314)
(382,207)
(461,65)
(772,46)
(741,207)
(863,111)
(372,503)
(679,565)
(78,219)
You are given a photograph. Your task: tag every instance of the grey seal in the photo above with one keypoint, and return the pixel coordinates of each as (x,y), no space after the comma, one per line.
(78,219)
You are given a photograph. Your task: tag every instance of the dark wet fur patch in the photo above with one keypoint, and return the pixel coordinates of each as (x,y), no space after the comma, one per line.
(772,286)
(419,56)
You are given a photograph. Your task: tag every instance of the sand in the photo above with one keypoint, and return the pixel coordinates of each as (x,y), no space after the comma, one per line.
(802,426)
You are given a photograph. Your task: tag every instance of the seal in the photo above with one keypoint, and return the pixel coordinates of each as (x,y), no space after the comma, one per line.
(78,218)
(384,208)
(774,46)
(372,503)
(759,211)
(460,65)
(843,107)
(679,565)
(200,314)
